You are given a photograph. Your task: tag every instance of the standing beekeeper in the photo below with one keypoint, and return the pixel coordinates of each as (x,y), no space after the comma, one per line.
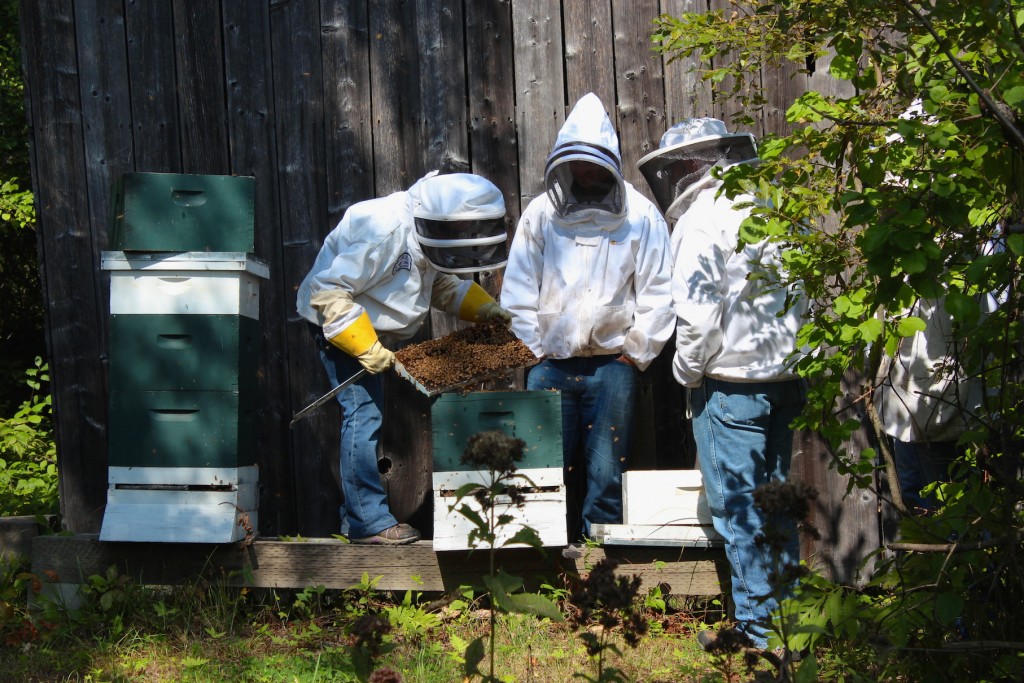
(377,275)
(588,286)
(735,337)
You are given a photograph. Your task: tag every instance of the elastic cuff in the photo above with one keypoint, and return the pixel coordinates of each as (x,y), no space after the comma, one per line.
(475,297)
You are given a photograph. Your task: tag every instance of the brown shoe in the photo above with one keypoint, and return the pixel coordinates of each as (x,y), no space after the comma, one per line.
(399,534)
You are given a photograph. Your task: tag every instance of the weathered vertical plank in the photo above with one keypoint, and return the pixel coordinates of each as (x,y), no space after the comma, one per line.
(441,78)
(349,152)
(198,53)
(251,143)
(640,86)
(727,107)
(540,85)
(106,111)
(67,259)
(492,132)
(150,29)
(395,92)
(589,52)
(300,178)
(686,94)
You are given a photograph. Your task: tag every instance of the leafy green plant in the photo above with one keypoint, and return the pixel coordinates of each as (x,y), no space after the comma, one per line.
(878,210)
(496,454)
(607,602)
(28,456)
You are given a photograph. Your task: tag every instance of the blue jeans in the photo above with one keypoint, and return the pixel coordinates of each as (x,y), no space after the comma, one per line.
(744,440)
(598,395)
(919,464)
(365,509)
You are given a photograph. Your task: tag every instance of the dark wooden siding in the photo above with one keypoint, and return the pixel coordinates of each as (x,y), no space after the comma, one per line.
(325,103)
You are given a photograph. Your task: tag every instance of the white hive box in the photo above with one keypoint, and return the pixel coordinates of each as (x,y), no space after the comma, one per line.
(193,283)
(543,509)
(662,507)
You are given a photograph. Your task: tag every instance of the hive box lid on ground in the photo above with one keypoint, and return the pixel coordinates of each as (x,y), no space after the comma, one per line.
(183,212)
(661,508)
(180,505)
(664,497)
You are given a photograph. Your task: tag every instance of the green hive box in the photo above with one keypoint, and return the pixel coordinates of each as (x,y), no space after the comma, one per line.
(533,416)
(180,212)
(181,429)
(184,352)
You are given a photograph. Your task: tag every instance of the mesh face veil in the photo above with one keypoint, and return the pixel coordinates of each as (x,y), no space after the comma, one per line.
(580,177)
(460,223)
(688,153)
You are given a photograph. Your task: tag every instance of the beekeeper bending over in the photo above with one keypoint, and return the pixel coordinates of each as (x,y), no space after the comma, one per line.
(736,334)
(588,286)
(377,275)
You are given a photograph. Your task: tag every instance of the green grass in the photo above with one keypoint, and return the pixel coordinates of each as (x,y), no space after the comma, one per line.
(211,633)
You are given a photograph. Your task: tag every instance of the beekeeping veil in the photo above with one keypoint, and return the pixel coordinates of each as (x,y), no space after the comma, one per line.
(687,153)
(460,222)
(584,170)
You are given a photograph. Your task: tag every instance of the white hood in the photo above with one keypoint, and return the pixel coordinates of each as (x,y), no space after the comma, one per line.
(587,135)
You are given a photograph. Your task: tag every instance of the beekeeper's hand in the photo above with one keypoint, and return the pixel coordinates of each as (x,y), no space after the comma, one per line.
(478,306)
(492,311)
(376,358)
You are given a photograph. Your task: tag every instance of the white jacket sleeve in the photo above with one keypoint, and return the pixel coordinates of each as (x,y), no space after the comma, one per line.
(653,317)
(698,291)
(520,291)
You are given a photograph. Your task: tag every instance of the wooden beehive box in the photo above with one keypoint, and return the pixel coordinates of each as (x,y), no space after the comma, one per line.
(661,507)
(533,416)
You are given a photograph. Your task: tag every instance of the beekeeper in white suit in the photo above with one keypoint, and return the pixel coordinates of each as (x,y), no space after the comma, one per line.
(377,275)
(735,338)
(588,287)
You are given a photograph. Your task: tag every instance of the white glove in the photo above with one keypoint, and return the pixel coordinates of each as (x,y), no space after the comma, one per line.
(492,311)
(376,359)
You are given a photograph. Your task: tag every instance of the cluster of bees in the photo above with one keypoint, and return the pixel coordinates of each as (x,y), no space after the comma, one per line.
(482,351)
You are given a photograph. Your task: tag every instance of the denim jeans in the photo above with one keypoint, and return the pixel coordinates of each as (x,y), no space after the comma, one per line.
(919,464)
(598,395)
(744,440)
(364,511)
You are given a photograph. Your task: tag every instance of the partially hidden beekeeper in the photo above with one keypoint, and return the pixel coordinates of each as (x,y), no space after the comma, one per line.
(735,342)
(588,285)
(372,285)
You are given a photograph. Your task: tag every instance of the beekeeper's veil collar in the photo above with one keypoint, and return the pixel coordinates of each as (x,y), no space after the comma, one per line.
(687,153)
(584,170)
(460,222)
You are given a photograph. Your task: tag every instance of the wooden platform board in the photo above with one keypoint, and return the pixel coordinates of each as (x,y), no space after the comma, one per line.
(336,564)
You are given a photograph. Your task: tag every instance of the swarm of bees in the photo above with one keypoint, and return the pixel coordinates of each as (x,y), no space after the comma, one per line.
(480,352)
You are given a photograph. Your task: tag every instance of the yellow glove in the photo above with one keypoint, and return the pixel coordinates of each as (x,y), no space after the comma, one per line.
(359,340)
(478,307)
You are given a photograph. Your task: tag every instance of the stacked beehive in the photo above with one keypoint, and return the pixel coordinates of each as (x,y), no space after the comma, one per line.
(533,416)
(184,355)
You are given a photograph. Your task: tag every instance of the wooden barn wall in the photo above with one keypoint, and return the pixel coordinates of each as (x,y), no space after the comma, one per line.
(326,103)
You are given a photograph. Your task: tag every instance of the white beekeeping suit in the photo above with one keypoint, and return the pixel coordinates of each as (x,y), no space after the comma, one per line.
(731,326)
(588,272)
